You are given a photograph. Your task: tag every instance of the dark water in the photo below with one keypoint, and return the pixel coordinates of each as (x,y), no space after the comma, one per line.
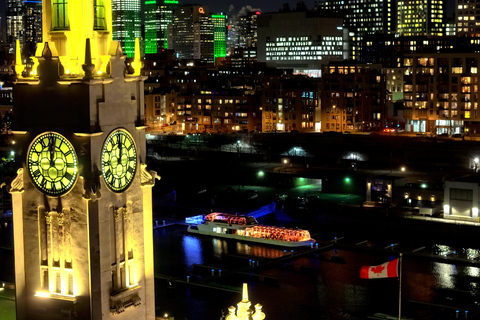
(311,287)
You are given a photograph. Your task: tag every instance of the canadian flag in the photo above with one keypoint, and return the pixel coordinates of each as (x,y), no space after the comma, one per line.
(386,270)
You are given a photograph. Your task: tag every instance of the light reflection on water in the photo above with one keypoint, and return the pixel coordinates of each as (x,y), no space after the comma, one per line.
(325,290)
(471,253)
(258,252)
(472,271)
(443,273)
(194,248)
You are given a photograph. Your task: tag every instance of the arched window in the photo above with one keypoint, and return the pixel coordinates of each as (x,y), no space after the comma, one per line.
(70,284)
(99,15)
(60,14)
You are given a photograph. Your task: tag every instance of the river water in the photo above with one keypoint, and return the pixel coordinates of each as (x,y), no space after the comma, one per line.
(324,285)
(320,285)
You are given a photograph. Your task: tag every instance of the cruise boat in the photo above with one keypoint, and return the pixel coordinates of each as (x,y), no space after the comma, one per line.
(246,228)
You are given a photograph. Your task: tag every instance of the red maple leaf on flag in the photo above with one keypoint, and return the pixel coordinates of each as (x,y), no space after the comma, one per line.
(378,269)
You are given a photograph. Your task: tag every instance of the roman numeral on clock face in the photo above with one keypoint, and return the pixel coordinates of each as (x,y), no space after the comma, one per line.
(68,176)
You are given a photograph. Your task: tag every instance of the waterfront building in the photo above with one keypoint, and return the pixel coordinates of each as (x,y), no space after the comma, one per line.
(161,109)
(394,78)
(421,17)
(353,97)
(191,33)
(462,196)
(301,40)
(225,111)
(363,17)
(290,103)
(158,16)
(440,93)
(82,197)
(126,22)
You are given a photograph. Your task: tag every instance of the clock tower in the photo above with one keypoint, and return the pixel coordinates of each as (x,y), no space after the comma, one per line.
(82,198)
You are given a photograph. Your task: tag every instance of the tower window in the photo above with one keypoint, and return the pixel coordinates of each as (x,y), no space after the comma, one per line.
(99,15)
(60,14)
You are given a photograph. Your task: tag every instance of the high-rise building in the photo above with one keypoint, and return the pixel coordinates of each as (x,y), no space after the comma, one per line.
(467,14)
(301,40)
(158,15)
(219,36)
(24,23)
(126,23)
(32,26)
(14,21)
(421,18)
(363,17)
(82,198)
(191,33)
(247,29)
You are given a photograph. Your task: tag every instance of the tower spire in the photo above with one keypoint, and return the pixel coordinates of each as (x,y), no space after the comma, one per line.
(88,66)
(19,67)
(245,293)
(137,63)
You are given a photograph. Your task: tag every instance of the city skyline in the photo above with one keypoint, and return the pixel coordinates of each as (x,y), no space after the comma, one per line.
(234,6)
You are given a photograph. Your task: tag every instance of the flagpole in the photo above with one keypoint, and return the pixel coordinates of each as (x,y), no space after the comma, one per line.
(400,289)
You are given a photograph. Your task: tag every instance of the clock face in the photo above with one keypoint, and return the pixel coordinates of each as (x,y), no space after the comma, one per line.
(52,164)
(119,160)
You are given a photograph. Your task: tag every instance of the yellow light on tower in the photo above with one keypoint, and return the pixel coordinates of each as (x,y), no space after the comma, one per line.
(19,67)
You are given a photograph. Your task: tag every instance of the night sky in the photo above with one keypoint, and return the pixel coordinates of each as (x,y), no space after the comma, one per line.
(234,6)
(217,6)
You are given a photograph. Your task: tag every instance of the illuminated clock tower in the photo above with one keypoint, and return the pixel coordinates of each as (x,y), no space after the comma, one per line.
(82,203)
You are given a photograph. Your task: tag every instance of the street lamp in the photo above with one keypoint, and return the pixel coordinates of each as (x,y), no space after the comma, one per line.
(238,148)
(285,162)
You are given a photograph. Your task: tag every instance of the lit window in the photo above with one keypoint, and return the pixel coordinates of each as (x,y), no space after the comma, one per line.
(60,14)
(99,15)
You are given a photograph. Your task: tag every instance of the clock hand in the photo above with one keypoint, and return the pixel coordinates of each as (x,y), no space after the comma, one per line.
(120,148)
(51,147)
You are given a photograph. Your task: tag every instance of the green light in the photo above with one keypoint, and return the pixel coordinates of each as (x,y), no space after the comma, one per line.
(261,173)
(158,16)
(347,180)
(424,185)
(219,37)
